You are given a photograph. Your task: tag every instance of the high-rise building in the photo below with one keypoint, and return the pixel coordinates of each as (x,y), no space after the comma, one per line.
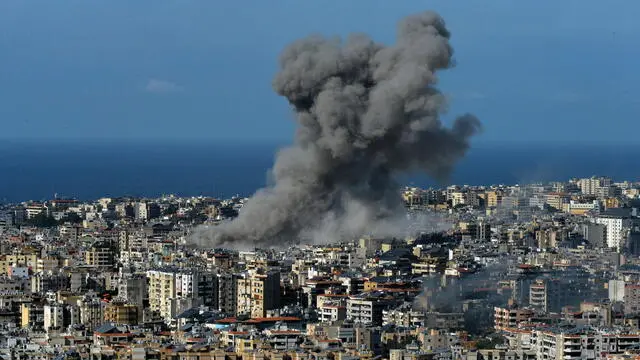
(556,200)
(595,234)
(458,198)
(593,185)
(258,292)
(31,316)
(480,230)
(53,316)
(243,293)
(511,317)
(367,308)
(120,312)
(91,312)
(206,288)
(34,209)
(133,288)
(547,295)
(227,287)
(616,290)
(633,242)
(132,245)
(101,254)
(618,224)
(173,290)
(265,290)
(140,211)
(153,211)
(631,299)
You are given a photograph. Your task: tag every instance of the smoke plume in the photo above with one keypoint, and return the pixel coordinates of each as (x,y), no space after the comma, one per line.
(365,112)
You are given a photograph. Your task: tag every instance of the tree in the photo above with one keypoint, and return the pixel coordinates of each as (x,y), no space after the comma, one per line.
(491,341)
(71,218)
(42,220)
(170,210)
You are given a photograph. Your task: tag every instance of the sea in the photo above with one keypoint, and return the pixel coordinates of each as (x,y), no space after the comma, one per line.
(40,170)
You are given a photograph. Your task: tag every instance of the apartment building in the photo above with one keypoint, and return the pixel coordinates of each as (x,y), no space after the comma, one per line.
(91,312)
(493,199)
(53,316)
(617,223)
(593,185)
(133,289)
(121,313)
(227,293)
(510,317)
(332,311)
(631,298)
(547,295)
(173,290)
(367,308)
(589,345)
(257,291)
(100,254)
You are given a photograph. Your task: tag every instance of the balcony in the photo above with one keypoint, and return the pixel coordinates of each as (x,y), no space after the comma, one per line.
(571,350)
(572,357)
(572,342)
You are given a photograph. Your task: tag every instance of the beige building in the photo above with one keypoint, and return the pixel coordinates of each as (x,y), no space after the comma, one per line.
(458,198)
(91,312)
(550,238)
(243,293)
(172,291)
(258,292)
(31,316)
(580,208)
(556,200)
(35,209)
(47,264)
(19,260)
(162,289)
(493,198)
(121,313)
(100,254)
(510,317)
(32,261)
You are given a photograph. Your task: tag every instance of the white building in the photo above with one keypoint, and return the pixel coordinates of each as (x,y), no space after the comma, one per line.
(576,207)
(616,290)
(35,209)
(617,227)
(593,185)
(53,316)
(595,346)
(331,312)
(140,210)
(172,291)
(367,309)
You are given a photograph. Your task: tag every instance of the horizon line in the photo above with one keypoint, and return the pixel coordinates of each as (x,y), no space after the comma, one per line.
(276,141)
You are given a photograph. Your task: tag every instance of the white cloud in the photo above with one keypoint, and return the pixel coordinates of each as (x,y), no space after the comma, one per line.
(570,97)
(468,95)
(476,95)
(158,86)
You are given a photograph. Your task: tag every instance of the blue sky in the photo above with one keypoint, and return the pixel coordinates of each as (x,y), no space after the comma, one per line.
(531,70)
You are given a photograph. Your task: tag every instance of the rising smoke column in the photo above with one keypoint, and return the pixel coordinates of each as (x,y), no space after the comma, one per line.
(365,113)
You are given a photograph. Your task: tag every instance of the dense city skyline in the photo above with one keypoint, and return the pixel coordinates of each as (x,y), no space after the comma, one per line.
(507,272)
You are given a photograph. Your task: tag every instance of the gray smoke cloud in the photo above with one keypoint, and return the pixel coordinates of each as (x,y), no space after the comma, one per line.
(365,112)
